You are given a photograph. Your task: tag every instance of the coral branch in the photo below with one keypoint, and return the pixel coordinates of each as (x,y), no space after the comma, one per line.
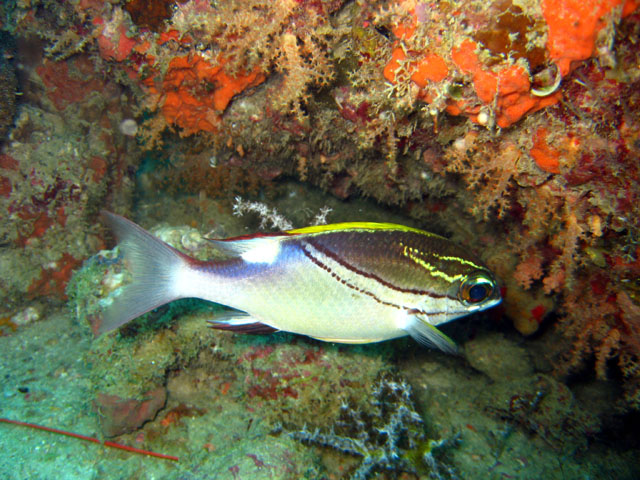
(387,436)
(269,217)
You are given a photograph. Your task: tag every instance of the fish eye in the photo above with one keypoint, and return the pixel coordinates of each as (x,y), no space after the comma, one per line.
(476,289)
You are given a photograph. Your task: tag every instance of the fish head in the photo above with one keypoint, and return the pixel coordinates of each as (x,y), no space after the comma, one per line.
(468,293)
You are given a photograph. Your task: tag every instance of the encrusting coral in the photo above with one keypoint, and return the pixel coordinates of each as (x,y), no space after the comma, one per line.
(568,221)
(205,55)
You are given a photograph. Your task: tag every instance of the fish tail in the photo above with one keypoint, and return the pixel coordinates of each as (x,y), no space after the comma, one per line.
(155,267)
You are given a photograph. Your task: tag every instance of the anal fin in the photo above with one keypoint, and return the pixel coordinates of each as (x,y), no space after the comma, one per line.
(354,341)
(240,322)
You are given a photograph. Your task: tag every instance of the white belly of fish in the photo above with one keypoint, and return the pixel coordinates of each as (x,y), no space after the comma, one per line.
(296,295)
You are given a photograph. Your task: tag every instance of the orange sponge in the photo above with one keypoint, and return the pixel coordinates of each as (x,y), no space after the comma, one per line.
(545,156)
(508,89)
(573,27)
(196,92)
(505,88)
(430,68)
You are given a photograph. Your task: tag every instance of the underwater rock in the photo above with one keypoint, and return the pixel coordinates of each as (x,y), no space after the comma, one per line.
(544,408)
(499,358)
(124,415)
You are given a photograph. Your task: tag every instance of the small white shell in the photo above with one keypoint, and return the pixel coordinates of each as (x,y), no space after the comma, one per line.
(549,89)
(26,316)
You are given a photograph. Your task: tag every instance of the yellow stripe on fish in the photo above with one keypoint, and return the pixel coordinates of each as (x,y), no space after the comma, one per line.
(354,282)
(368,226)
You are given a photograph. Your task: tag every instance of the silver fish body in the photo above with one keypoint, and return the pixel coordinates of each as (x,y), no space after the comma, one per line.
(349,283)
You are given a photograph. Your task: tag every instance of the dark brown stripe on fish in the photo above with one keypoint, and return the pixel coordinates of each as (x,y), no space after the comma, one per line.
(343,263)
(325,267)
(333,274)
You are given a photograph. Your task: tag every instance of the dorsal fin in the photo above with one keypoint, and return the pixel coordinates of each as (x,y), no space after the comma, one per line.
(245,245)
(368,226)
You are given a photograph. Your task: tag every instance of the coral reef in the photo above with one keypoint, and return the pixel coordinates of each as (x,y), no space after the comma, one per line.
(508,124)
(388,435)
(8,87)
(55,179)
(63,155)
(193,58)
(567,198)
(322,89)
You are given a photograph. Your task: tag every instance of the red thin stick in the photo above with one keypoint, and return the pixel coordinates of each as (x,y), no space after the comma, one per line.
(139,450)
(106,443)
(49,429)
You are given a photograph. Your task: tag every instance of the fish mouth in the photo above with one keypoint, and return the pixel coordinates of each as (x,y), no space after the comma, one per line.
(492,303)
(496,297)
(454,314)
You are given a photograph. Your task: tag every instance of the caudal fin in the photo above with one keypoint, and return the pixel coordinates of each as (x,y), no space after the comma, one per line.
(154,266)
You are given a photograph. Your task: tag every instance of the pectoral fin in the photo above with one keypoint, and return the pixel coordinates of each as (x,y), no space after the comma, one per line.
(426,334)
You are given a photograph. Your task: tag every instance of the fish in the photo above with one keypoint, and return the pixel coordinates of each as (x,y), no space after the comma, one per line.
(356,282)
